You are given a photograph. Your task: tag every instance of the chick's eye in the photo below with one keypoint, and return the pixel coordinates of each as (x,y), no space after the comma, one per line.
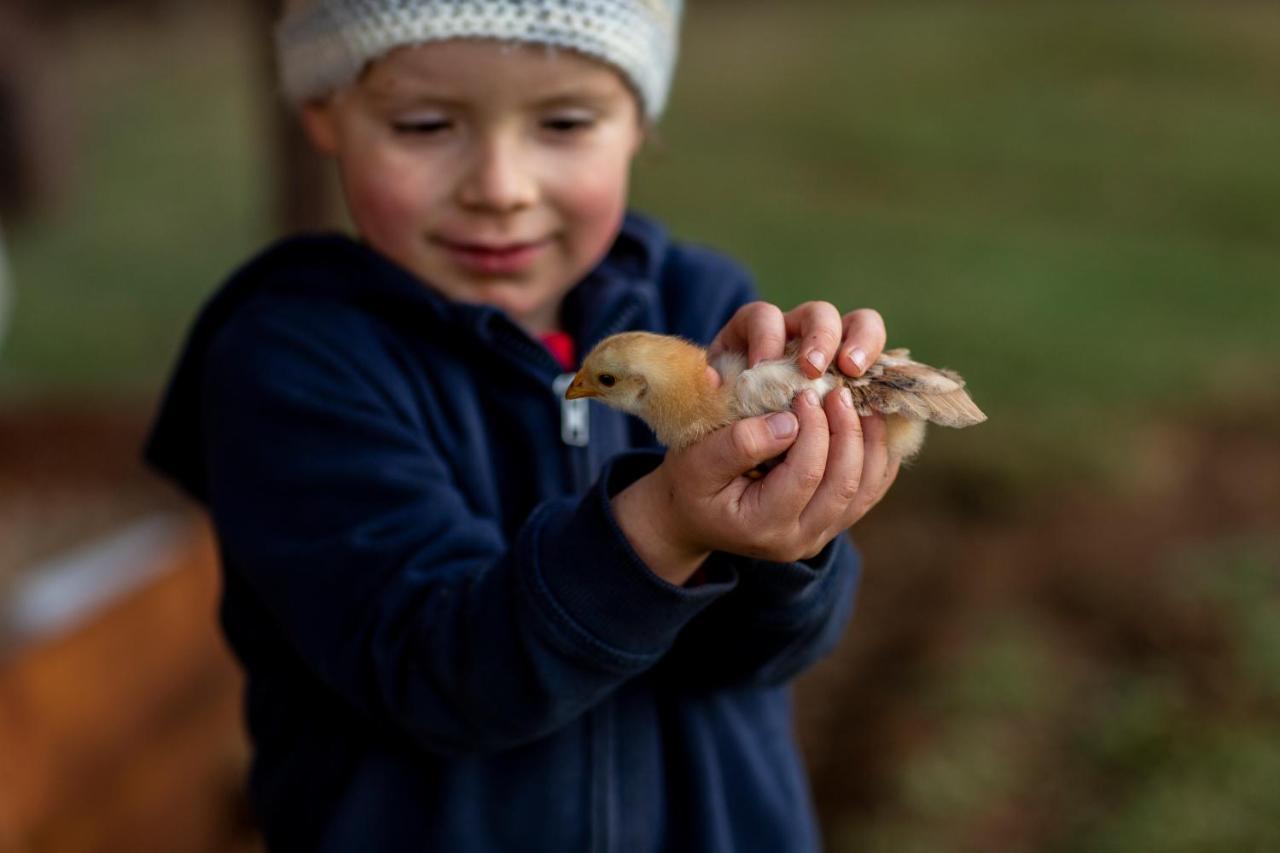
(606,379)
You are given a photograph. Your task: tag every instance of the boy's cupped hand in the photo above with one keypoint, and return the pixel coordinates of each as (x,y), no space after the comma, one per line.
(837,465)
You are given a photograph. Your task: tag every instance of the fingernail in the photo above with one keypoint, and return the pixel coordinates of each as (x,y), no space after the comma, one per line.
(817,359)
(811,398)
(859,358)
(782,424)
(846,398)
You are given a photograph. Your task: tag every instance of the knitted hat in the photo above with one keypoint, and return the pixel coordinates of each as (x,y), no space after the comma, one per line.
(324,44)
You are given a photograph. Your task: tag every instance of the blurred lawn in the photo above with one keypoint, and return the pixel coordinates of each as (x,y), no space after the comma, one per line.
(167,195)
(1075,204)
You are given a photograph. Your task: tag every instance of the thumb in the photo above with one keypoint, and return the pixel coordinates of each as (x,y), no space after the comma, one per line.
(744,445)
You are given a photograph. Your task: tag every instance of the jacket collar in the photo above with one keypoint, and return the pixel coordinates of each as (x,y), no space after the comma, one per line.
(621,289)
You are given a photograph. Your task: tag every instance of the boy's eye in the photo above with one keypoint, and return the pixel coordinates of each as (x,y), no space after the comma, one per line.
(568,123)
(421,125)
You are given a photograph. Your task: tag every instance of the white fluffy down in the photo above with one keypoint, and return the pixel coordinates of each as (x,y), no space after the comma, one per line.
(771,386)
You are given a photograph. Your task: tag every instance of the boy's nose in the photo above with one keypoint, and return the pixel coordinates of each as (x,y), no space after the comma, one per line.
(498,180)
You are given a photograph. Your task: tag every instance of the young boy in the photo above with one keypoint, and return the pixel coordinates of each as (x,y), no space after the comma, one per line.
(470,619)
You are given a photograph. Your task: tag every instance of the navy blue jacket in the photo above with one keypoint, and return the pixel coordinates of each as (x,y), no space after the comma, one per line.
(449,643)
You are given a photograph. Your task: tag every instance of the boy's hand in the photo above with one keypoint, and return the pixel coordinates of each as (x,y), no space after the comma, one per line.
(762,331)
(699,499)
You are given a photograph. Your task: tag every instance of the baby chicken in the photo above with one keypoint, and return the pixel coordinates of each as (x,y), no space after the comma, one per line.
(664,381)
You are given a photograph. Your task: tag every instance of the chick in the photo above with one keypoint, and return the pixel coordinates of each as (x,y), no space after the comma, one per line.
(664,381)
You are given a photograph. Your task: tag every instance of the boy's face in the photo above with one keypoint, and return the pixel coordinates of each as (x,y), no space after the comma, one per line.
(496,173)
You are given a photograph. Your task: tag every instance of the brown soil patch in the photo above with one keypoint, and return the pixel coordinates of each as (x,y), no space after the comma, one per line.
(947,558)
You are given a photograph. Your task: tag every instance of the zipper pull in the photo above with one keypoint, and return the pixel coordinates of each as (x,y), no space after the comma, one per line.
(575,416)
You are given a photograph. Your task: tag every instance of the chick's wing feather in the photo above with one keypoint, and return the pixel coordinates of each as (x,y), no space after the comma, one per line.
(895,384)
(955,409)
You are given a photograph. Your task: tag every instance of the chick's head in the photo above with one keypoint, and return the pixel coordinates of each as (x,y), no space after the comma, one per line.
(663,380)
(616,373)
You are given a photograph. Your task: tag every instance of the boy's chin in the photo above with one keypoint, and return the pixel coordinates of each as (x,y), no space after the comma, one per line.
(538,318)
(532,306)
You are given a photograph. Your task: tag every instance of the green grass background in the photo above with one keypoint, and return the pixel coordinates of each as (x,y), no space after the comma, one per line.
(1075,204)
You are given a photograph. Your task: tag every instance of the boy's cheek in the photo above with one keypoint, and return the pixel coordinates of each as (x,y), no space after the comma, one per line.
(600,228)
(598,207)
(382,208)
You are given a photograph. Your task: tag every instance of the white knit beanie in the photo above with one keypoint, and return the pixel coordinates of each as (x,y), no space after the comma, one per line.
(324,44)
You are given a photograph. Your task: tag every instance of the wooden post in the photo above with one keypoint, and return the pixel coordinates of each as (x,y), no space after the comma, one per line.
(34,142)
(304,198)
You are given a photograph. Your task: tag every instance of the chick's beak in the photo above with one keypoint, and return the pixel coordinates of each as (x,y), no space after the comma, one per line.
(579,388)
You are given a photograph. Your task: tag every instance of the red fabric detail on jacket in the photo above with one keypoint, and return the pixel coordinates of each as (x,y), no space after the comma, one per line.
(563,347)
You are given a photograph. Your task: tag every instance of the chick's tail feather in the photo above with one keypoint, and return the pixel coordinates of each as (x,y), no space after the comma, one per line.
(896,385)
(952,408)
(911,394)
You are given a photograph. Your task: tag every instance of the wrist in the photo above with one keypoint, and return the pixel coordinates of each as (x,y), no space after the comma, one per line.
(644,513)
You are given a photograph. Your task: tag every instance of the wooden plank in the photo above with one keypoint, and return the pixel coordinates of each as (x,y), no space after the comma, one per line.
(128,724)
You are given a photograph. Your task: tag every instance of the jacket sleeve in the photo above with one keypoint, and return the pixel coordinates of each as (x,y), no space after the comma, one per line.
(345,525)
(782,617)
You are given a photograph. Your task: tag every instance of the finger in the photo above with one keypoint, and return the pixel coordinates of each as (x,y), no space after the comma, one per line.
(858,510)
(875,464)
(757,329)
(817,325)
(727,454)
(842,479)
(788,488)
(890,475)
(864,338)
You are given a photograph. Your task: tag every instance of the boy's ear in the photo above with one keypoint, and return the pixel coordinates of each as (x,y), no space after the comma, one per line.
(646,135)
(318,123)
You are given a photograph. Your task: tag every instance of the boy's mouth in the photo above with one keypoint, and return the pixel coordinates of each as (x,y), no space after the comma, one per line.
(493,258)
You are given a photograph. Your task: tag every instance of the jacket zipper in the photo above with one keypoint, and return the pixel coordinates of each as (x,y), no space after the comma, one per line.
(575,434)
(604,815)
(575,415)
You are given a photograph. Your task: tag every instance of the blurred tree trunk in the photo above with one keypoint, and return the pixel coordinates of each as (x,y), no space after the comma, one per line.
(34,134)
(303,197)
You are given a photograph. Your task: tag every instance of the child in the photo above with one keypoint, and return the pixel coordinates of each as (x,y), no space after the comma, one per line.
(470,617)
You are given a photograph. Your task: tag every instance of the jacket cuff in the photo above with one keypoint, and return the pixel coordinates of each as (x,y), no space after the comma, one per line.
(595,589)
(785,593)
